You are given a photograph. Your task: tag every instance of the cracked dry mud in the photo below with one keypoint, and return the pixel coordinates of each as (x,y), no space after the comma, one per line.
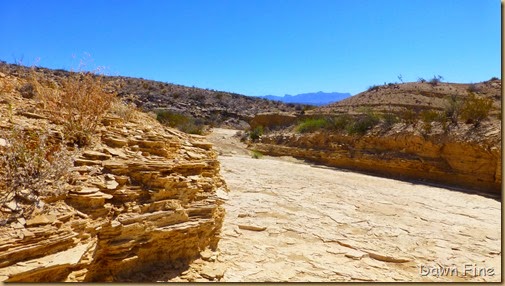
(290,221)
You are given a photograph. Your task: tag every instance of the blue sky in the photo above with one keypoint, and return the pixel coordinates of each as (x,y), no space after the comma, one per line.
(257,47)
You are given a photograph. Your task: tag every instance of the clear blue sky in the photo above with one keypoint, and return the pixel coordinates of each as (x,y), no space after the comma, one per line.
(257,47)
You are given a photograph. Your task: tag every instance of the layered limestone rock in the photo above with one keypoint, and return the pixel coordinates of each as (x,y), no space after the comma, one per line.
(273,120)
(142,196)
(473,164)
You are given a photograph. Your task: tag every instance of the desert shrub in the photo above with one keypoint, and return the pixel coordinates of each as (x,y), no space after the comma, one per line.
(409,116)
(494,78)
(338,123)
(79,105)
(473,88)
(436,80)
(255,154)
(197,97)
(363,123)
(475,109)
(442,118)
(32,167)
(389,119)
(28,90)
(428,116)
(453,109)
(373,88)
(184,123)
(421,80)
(256,133)
(311,125)
(122,109)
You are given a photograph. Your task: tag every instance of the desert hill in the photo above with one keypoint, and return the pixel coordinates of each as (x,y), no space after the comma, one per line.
(210,107)
(416,96)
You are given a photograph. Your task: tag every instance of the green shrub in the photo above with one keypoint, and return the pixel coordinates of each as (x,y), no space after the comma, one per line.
(184,123)
(256,154)
(442,118)
(389,119)
(409,116)
(428,116)
(338,123)
(453,109)
(363,123)
(311,125)
(475,109)
(256,133)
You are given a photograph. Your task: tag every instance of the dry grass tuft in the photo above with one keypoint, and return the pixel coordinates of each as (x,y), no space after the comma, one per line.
(124,108)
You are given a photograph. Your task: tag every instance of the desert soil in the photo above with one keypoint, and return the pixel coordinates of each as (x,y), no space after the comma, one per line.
(292,221)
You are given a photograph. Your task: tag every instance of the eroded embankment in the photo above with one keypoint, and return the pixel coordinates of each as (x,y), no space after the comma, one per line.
(143,197)
(468,164)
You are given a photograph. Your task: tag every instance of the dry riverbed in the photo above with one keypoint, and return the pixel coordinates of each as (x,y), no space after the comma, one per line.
(291,221)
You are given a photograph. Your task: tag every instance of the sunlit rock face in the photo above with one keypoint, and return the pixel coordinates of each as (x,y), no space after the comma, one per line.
(452,160)
(141,196)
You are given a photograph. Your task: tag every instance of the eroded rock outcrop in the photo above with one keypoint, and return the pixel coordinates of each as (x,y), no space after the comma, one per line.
(473,163)
(142,196)
(273,120)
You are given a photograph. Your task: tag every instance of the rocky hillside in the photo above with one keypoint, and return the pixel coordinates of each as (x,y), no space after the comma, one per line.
(136,196)
(212,107)
(416,96)
(440,133)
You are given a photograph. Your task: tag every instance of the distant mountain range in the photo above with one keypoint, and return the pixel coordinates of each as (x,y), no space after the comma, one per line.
(314,98)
